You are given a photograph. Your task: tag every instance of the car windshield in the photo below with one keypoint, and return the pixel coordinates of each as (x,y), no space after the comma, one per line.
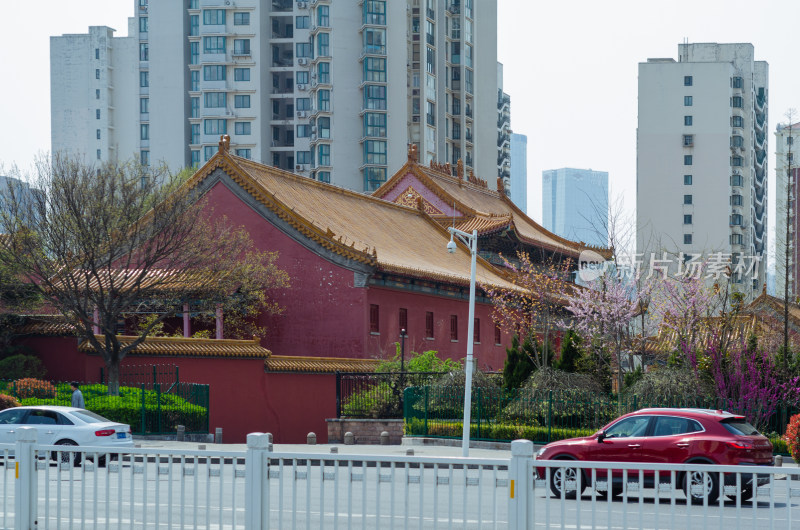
(90,417)
(739,426)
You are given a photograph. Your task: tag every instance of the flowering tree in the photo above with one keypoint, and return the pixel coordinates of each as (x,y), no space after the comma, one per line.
(536,304)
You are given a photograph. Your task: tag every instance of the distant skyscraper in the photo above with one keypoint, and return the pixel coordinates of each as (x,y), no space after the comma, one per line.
(701,170)
(575,204)
(519,171)
(334,90)
(503,131)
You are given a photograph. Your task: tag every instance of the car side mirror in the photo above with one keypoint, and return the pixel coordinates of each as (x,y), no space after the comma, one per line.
(601,436)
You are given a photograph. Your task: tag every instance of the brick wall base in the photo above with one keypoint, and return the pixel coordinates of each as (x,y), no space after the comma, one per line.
(366,432)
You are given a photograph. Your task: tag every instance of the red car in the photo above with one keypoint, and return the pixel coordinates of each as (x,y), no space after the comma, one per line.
(665,436)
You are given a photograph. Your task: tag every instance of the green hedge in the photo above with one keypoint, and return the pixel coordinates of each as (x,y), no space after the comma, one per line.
(127,407)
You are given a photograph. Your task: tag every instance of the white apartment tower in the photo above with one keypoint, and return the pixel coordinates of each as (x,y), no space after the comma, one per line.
(332,89)
(93,80)
(702,157)
(787,171)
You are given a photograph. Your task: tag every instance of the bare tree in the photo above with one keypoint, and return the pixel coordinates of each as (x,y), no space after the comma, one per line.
(101,243)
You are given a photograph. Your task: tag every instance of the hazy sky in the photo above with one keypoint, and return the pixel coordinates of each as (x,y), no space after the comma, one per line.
(570,69)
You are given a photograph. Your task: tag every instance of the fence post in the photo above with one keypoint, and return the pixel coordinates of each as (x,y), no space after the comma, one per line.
(25,487)
(158,405)
(480,403)
(144,413)
(256,475)
(338,394)
(426,410)
(177,375)
(549,415)
(521,485)
(102,378)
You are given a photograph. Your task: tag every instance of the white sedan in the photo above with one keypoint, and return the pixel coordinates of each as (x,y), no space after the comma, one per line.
(68,426)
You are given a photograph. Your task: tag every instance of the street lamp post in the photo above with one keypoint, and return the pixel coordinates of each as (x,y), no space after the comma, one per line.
(402,350)
(471,240)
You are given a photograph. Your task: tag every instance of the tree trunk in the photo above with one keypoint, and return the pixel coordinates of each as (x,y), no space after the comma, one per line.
(113,378)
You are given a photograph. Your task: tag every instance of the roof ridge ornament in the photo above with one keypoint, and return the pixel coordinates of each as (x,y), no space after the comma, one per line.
(501,189)
(413,156)
(224,143)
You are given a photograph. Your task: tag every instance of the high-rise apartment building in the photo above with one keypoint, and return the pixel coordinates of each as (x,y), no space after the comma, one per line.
(519,171)
(575,204)
(787,171)
(503,131)
(93,83)
(702,157)
(335,90)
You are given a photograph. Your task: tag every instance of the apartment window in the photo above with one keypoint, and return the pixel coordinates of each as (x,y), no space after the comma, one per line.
(303,157)
(303,49)
(213,17)
(736,200)
(215,127)
(144,105)
(454,327)
(323,44)
(303,103)
(241,19)
(97,53)
(97,93)
(687,180)
(736,180)
(324,100)
(687,80)
(242,128)
(194,4)
(303,131)
(143,24)
(468,83)
(324,127)
(301,77)
(99,154)
(215,100)
(789,140)
(324,151)
(687,239)
(97,114)
(429,324)
(375,69)
(737,121)
(737,82)
(323,16)
(214,72)
(737,102)
(736,219)
(737,239)
(97,73)
(194,52)
(429,32)
(374,318)
(324,73)
(375,41)
(476,331)
(244,153)
(430,113)
(687,219)
(687,120)
(374,177)
(241,101)
(209,151)
(241,74)
(375,124)
(375,152)
(324,176)
(144,131)
(195,158)
(195,80)
(195,133)
(375,12)
(195,104)
(241,46)
(144,156)
(737,141)
(687,160)
(194,25)
(144,52)
(302,22)
(144,79)
(98,134)
(214,44)
(688,140)
(375,97)
(736,161)
(687,199)
(497,335)
(687,101)
(403,319)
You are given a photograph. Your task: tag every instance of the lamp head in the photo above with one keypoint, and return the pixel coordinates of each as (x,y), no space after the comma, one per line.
(451,246)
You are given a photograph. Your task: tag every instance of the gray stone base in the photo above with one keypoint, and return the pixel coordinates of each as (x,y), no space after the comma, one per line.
(366,431)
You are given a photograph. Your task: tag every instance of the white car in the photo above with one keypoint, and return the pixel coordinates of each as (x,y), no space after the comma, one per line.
(68,426)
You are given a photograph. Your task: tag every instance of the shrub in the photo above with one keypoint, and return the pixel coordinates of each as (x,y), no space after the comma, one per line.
(21,366)
(7,402)
(34,388)
(792,437)
(671,386)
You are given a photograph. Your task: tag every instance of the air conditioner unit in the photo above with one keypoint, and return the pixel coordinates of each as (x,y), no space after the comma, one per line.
(302,61)
(313,137)
(301,87)
(302,114)
(314,131)
(302,5)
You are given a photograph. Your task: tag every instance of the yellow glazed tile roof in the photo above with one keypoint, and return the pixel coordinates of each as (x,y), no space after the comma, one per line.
(46,325)
(292,363)
(179,346)
(367,229)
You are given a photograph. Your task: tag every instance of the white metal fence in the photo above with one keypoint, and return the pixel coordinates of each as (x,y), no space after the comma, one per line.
(68,487)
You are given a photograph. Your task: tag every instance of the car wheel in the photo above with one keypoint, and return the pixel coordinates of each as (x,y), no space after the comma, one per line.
(698,485)
(65,457)
(564,481)
(745,495)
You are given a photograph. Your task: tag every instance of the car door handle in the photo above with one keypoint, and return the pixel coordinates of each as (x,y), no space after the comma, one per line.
(49,432)
(634,446)
(682,444)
